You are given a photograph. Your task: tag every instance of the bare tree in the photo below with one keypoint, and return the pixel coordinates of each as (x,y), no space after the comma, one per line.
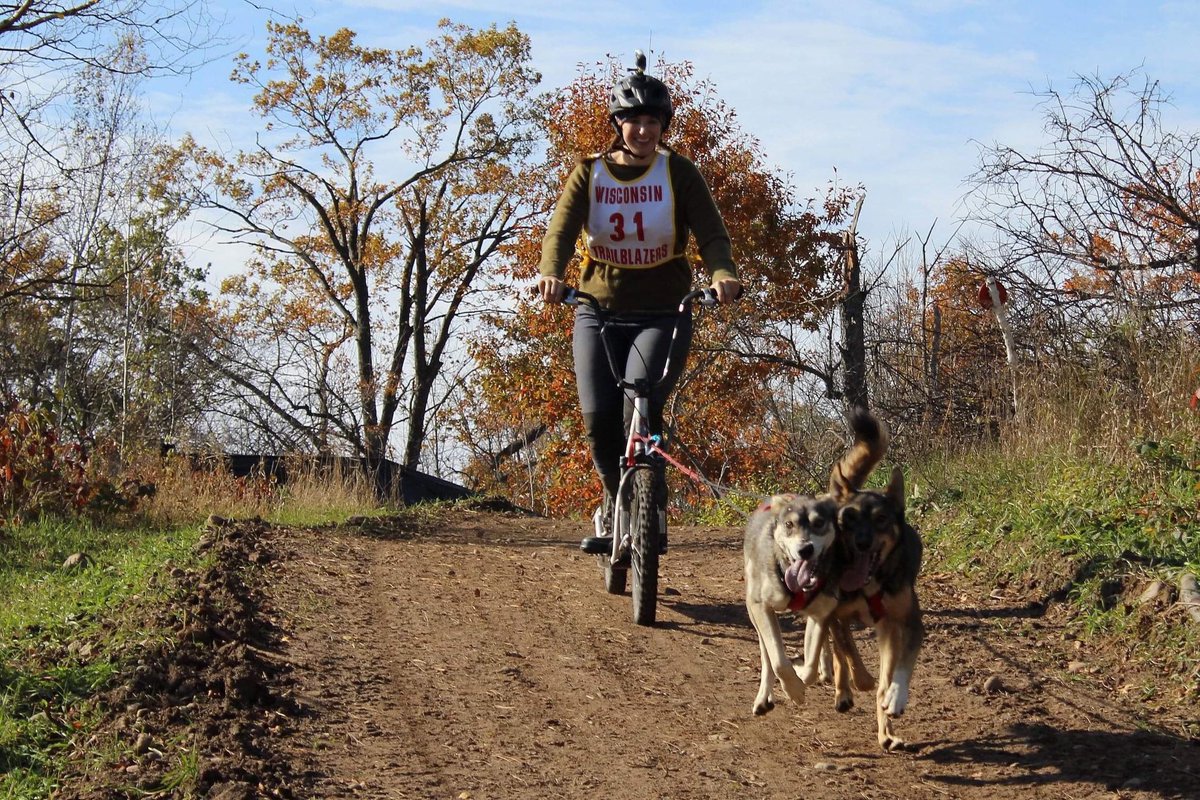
(1106,213)
(71,128)
(59,36)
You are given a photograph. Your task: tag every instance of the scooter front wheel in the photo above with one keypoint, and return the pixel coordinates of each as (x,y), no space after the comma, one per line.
(644,545)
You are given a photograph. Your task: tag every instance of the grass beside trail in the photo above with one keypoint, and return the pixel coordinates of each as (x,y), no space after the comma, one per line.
(1086,523)
(1092,533)
(62,632)
(1089,531)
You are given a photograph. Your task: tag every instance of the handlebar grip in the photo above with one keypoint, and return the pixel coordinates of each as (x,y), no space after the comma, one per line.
(705,297)
(578,297)
(571,295)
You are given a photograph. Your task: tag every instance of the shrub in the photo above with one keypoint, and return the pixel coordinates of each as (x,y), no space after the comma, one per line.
(41,475)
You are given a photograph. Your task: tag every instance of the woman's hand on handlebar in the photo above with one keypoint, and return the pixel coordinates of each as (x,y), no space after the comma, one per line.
(551,289)
(727,290)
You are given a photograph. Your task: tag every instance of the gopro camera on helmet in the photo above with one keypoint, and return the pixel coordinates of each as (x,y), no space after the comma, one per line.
(639,93)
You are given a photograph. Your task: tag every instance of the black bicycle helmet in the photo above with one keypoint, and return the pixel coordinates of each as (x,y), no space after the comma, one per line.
(638,92)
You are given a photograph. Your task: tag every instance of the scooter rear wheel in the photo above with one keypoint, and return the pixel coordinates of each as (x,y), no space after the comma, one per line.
(614,577)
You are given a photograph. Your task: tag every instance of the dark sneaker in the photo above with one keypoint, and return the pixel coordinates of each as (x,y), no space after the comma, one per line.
(601,542)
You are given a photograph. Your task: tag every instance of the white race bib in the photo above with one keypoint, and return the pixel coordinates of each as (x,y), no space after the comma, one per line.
(631,223)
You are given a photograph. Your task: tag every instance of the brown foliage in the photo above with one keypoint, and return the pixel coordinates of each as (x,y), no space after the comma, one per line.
(1105,217)
(349,309)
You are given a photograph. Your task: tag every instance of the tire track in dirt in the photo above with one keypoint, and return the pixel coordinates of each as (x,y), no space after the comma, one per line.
(481,658)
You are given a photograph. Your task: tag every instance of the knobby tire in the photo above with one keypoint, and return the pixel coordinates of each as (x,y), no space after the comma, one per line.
(643,519)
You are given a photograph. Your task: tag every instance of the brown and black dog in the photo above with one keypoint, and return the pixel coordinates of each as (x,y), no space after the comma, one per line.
(879,589)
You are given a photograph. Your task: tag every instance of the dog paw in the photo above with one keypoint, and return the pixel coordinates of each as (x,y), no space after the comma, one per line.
(895,700)
(843,704)
(892,743)
(809,674)
(763,707)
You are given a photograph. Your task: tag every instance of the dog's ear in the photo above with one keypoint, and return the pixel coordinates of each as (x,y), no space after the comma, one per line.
(895,489)
(779,502)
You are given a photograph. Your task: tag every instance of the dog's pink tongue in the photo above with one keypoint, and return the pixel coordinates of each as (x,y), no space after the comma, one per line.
(798,575)
(856,577)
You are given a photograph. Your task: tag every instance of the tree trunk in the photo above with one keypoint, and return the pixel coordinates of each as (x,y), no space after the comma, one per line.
(933,380)
(853,345)
(384,482)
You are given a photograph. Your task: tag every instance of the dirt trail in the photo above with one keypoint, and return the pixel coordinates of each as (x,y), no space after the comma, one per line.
(481,659)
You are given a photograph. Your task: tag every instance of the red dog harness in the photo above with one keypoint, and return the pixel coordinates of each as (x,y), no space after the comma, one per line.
(801,599)
(875,604)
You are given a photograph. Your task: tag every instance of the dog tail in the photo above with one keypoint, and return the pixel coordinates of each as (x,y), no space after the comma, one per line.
(871,439)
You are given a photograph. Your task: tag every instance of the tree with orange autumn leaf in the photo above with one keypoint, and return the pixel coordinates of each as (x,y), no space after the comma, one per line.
(123,376)
(338,328)
(90,283)
(524,422)
(1098,232)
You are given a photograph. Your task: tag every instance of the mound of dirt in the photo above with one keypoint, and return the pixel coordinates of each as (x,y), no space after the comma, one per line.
(216,689)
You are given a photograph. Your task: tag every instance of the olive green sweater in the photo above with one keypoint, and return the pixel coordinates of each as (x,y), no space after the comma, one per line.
(656,288)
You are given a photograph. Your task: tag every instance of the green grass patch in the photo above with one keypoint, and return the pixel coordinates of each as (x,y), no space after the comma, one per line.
(1009,516)
(309,516)
(1091,532)
(63,633)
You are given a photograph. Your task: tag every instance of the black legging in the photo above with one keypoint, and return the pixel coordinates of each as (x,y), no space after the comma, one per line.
(640,344)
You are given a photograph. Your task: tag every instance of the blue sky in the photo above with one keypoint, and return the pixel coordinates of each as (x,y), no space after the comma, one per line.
(892,95)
